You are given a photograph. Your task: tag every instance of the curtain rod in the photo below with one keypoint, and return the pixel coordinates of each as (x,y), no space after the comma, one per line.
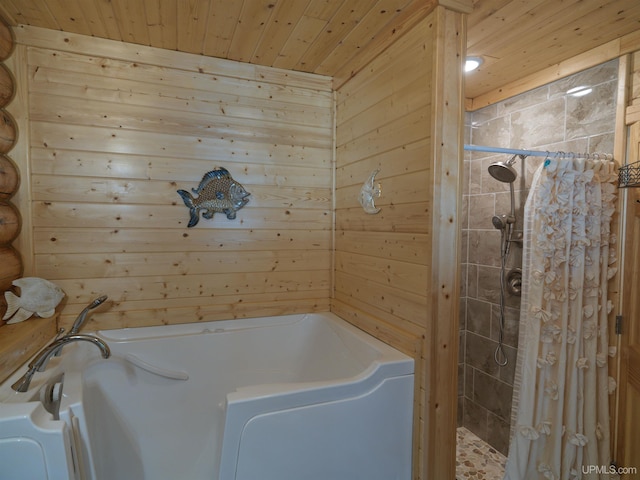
(536,153)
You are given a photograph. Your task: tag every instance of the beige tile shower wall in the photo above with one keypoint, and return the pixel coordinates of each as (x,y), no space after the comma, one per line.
(542,119)
(116,129)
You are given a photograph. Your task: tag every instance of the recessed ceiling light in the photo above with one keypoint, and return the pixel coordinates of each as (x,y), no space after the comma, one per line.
(580,91)
(472,63)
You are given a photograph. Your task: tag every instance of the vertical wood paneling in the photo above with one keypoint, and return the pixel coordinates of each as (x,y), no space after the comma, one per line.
(113,138)
(250,26)
(221,25)
(616,286)
(525,44)
(131,20)
(277,32)
(624,369)
(192,18)
(397,271)
(162,21)
(446,158)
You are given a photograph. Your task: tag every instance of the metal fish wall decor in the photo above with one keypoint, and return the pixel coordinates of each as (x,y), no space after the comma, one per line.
(217,192)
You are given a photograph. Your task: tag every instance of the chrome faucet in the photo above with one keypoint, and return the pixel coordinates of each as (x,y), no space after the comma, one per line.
(77,324)
(83,314)
(39,363)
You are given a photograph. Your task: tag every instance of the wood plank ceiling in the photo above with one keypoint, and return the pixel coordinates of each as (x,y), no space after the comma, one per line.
(516,38)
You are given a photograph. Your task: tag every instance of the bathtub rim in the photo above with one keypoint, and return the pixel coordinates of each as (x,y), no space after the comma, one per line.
(376,358)
(399,362)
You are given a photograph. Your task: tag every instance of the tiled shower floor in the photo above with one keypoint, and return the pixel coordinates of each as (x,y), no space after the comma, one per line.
(476,459)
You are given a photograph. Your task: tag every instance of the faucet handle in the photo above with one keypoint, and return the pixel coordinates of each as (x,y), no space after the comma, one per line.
(22,385)
(57,353)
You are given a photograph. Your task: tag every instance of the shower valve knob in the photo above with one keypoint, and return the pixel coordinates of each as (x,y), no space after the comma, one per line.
(514,282)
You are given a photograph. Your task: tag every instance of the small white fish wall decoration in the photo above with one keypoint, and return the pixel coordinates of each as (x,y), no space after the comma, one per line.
(37,295)
(369,192)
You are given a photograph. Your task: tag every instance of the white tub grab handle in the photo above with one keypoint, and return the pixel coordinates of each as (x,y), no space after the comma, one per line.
(163,372)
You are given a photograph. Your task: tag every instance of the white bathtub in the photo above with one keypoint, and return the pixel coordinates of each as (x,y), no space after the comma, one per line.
(277,398)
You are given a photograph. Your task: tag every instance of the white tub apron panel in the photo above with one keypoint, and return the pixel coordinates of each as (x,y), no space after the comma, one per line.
(362,437)
(33,445)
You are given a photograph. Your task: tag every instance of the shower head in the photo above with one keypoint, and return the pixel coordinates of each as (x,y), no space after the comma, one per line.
(98,301)
(499,221)
(503,171)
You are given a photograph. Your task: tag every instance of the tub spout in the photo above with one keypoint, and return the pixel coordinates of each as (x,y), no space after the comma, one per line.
(79,322)
(39,363)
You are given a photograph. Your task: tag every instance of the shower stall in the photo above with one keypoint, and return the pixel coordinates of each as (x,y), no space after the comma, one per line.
(496,187)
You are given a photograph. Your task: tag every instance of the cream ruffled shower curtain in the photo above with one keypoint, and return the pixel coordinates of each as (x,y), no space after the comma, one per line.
(560,417)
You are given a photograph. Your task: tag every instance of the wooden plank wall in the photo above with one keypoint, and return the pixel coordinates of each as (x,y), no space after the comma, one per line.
(115,129)
(627,152)
(394,274)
